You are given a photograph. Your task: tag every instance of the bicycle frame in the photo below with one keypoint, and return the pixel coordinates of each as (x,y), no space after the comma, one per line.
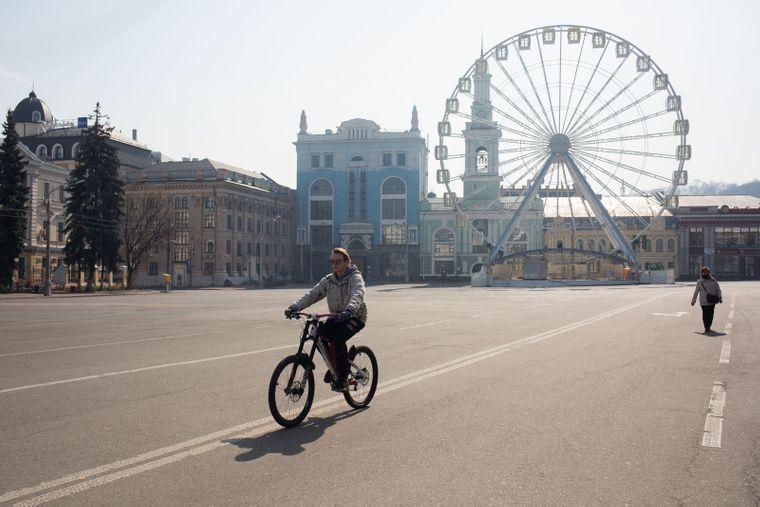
(311,332)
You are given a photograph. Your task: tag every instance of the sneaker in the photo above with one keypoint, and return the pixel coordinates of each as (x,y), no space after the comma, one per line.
(328,377)
(340,386)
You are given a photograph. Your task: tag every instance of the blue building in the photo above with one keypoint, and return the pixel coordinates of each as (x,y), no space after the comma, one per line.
(360,187)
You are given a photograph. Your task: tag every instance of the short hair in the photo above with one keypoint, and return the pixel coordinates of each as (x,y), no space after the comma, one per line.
(343,253)
(704,269)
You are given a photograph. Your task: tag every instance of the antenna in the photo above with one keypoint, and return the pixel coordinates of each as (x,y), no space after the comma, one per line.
(481,44)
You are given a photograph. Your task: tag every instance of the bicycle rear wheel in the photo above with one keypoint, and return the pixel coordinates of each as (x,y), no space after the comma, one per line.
(291,391)
(362,378)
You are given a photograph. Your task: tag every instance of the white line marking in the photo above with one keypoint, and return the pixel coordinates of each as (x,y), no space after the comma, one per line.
(731,307)
(714,420)
(145,368)
(731,314)
(425,324)
(677,314)
(729,325)
(260,426)
(122,342)
(725,352)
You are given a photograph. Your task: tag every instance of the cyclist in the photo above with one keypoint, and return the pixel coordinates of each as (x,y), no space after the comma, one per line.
(344,290)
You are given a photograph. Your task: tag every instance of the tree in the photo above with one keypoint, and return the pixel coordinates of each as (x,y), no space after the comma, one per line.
(93,209)
(146,221)
(13,197)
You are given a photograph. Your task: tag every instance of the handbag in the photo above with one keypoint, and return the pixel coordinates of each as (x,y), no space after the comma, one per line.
(713,298)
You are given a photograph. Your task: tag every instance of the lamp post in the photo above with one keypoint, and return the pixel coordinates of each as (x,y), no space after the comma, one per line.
(49,216)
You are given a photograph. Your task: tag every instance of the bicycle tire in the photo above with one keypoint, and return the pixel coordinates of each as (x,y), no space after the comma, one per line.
(275,388)
(351,395)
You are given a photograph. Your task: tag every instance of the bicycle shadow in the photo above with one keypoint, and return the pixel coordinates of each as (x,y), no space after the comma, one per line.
(288,442)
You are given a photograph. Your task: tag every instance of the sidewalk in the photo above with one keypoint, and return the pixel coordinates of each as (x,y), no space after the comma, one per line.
(61,294)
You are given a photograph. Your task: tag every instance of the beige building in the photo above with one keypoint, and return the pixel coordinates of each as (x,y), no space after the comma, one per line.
(230,226)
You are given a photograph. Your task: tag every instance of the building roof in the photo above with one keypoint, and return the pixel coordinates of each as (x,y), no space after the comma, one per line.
(24,110)
(717,201)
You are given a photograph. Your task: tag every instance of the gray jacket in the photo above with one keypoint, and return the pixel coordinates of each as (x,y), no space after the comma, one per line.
(703,287)
(345,293)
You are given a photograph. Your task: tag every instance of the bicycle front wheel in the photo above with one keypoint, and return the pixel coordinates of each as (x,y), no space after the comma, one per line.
(362,379)
(291,391)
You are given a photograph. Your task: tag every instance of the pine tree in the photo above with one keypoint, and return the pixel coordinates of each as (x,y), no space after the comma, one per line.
(93,209)
(13,197)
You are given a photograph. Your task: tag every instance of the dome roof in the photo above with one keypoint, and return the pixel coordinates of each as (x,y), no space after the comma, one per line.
(24,112)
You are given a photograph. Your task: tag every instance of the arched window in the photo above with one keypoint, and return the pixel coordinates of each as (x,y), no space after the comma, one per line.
(602,245)
(74,151)
(481,160)
(393,199)
(321,188)
(57,152)
(41,152)
(671,245)
(210,246)
(443,243)
(591,244)
(357,158)
(356,245)
(36,116)
(658,246)
(580,244)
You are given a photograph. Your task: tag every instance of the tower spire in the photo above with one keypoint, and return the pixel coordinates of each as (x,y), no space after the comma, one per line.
(415,120)
(303,126)
(481,45)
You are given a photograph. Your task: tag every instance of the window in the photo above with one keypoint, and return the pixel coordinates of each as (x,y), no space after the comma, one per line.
(239,249)
(321,204)
(696,237)
(36,116)
(153,269)
(320,187)
(210,246)
(266,249)
(394,234)
(182,219)
(268,229)
(671,245)
(387,159)
(180,254)
(249,225)
(240,223)
(57,152)
(74,151)
(61,226)
(591,244)
(321,235)
(210,221)
(658,246)
(41,152)
(248,248)
(182,237)
(208,269)
(258,249)
(209,203)
(363,196)
(481,234)
(481,160)
(394,209)
(602,245)
(727,264)
(180,202)
(229,222)
(401,159)
(413,235)
(351,196)
(315,160)
(393,199)
(580,244)
(258,226)
(328,159)
(229,246)
(443,243)
(229,268)
(61,194)
(239,268)
(46,191)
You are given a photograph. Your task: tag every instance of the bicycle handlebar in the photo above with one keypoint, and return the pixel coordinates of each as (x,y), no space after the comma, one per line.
(298,315)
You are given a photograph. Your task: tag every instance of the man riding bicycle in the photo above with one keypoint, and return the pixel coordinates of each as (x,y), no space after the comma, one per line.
(344,289)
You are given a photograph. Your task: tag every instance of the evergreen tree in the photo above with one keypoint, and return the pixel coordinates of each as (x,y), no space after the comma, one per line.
(13,197)
(93,209)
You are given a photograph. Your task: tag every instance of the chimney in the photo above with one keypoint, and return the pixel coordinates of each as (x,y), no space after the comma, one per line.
(134,135)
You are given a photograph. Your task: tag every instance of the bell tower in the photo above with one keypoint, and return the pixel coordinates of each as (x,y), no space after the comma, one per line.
(481,177)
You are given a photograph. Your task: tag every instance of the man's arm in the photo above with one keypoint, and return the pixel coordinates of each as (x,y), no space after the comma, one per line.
(315,294)
(356,298)
(696,293)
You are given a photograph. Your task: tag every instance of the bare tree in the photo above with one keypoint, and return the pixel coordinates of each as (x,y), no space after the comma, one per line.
(146,222)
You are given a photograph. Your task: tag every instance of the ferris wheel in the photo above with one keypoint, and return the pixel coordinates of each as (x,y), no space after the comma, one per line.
(573,115)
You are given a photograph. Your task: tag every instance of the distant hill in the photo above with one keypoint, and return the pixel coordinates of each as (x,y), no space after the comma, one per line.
(717,187)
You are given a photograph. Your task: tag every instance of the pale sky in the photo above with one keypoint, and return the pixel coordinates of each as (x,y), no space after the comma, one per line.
(228,79)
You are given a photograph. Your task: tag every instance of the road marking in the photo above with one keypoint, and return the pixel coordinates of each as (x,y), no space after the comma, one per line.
(725,351)
(714,420)
(122,342)
(731,314)
(729,325)
(425,324)
(677,314)
(731,307)
(145,368)
(83,480)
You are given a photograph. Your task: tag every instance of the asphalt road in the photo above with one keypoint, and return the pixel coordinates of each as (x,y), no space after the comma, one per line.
(604,395)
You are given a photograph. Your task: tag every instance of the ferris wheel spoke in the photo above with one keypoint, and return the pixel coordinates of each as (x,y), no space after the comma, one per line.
(626,138)
(588,84)
(584,133)
(538,153)
(627,167)
(587,160)
(522,142)
(546,81)
(582,115)
(537,117)
(575,76)
(629,152)
(532,85)
(569,200)
(538,129)
(625,124)
(610,192)
(559,88)
(610,101)
(496,124)
(537,134)
(518,150)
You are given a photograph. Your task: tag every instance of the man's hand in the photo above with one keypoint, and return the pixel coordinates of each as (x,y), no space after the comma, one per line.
(290,312)
(692,303)
(343,316)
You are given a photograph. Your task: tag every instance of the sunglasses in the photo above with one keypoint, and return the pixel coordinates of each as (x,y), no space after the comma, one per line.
(337,261)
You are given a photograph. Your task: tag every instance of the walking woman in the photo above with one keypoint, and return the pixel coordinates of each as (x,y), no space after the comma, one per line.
(709,294)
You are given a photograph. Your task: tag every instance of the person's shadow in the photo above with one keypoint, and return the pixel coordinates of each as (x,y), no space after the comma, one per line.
(288,442)
(710,333)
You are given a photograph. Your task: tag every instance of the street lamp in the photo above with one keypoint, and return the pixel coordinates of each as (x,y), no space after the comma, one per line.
(49,215)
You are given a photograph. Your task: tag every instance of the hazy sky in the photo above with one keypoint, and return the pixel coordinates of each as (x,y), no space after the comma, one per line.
(227,80)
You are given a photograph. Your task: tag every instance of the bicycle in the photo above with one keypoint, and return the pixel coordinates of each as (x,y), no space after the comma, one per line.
(292,381)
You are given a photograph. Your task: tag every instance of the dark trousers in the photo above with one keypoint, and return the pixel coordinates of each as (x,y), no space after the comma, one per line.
(337,334)
(708,312)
